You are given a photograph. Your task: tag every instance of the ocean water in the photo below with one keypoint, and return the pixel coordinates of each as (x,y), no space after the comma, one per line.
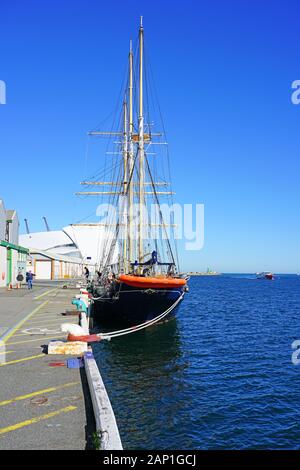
(218,376)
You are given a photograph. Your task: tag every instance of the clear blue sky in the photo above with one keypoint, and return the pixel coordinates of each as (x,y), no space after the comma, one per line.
(224,71)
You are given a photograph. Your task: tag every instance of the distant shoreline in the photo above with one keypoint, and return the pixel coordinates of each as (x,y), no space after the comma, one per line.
(214,273)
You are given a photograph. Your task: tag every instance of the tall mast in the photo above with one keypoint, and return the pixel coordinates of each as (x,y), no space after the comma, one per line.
(131,89)
(141,145)
(125,145)
(130,157)
(125,182)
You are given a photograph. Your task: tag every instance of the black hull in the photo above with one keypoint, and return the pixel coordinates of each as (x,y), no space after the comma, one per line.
(133,306)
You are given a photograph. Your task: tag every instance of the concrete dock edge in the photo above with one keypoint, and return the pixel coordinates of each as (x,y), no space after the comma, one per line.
(106,425)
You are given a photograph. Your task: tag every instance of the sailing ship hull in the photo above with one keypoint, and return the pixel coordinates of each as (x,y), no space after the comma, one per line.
(133,306)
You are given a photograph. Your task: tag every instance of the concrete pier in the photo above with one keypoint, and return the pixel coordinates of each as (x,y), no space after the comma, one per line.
(42,407)
(106,425)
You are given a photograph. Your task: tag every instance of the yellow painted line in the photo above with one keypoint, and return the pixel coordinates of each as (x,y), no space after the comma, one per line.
(45,293)
(30,335)
(21,360)
(41,338)
(8,335)
(6,352)
(39,392)
(47,326)
(17,426)
(50,320)
(46,316)
(22,335)
(44,321)
(60,314)
(31,326)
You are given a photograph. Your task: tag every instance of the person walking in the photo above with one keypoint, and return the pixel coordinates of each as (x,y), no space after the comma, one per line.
(29,279)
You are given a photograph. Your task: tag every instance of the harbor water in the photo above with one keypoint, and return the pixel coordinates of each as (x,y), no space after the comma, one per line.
(218,376)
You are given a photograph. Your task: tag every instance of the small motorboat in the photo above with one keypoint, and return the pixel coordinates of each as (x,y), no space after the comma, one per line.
(265,275)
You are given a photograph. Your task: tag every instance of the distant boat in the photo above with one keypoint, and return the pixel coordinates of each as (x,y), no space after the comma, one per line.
(265,275)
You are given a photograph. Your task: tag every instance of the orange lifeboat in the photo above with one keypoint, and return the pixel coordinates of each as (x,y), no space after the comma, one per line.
(152,282)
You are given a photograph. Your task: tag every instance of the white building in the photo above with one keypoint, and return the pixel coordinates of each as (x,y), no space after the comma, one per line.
(49,265)
(12,256)
(63,253)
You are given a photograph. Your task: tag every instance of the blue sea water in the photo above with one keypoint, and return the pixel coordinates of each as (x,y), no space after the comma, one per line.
(219,376)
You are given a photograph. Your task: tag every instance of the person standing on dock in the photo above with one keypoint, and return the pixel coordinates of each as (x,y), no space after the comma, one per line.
(29,279)
(86,273)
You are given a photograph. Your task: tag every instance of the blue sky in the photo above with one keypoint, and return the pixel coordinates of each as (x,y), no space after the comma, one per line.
(224,71)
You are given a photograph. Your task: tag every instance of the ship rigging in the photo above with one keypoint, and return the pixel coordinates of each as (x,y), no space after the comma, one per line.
(139,277)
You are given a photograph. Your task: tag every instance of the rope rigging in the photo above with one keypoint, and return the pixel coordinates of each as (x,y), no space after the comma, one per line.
(108,244)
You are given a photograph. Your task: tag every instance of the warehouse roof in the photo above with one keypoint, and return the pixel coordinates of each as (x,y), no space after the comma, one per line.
(37,253)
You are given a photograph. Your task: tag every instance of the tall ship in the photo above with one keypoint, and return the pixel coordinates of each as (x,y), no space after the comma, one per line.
(138,278)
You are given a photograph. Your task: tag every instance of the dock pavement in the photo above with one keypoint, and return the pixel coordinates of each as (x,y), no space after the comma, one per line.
(42,406)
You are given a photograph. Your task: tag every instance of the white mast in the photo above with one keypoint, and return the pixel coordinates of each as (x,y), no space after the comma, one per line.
(130,156)
(125,183)
(141,147)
